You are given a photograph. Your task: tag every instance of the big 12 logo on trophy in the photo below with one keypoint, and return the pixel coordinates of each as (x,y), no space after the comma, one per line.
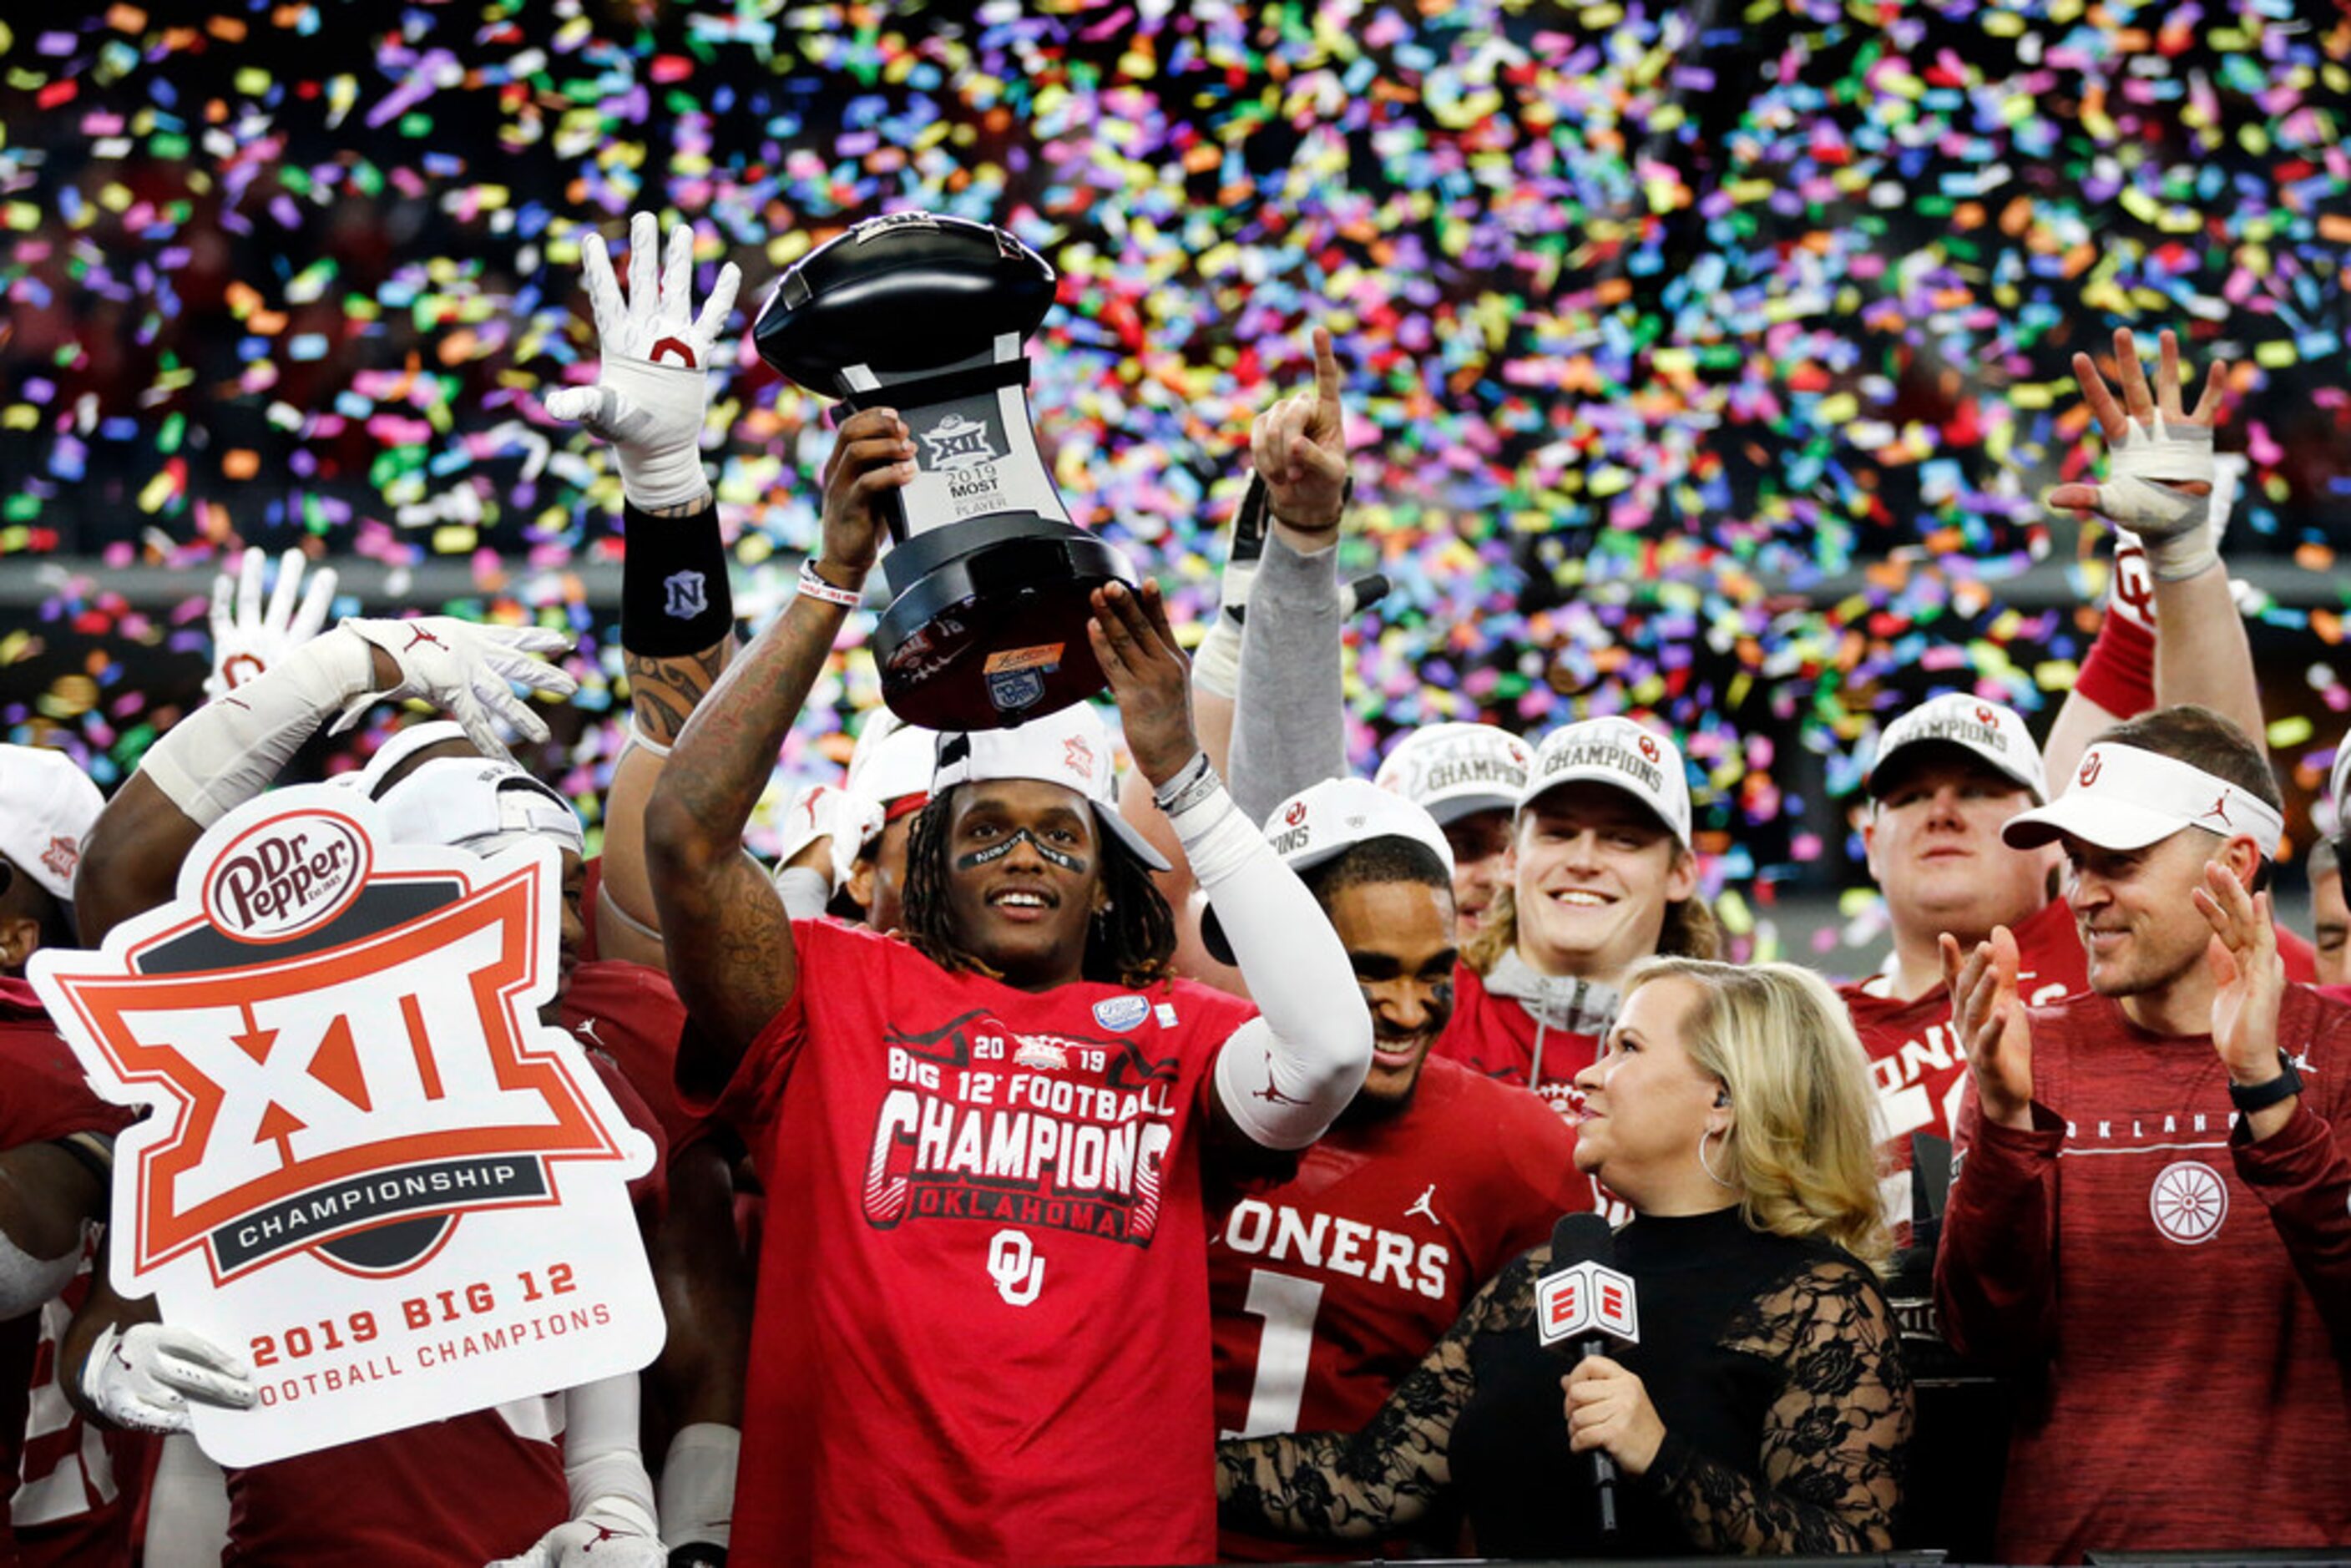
(368,1165)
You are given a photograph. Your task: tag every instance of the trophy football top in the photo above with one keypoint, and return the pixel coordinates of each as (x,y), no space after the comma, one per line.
(911,292)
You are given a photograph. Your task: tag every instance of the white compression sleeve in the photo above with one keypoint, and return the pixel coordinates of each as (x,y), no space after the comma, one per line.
(1288,1073)
(697,1486)
(27,1281)
(601,1463)
(227,751)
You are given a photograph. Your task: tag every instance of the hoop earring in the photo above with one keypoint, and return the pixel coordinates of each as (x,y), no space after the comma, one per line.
(1707,1165)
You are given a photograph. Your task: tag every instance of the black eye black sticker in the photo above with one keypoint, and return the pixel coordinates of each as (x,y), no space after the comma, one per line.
(996,852)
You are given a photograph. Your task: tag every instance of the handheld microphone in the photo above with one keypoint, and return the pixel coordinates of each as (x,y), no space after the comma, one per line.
(1585,1308)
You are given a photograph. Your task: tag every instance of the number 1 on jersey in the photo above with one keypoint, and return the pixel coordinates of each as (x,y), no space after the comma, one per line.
(1289,1306)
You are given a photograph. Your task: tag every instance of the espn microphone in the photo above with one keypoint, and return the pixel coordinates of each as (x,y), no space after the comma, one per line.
(1585,1308)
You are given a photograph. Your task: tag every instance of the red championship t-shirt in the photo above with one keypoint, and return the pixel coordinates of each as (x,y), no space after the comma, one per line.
(982,1330)
(1497,1037)
(2166,1288)
(46,1097)
(1325,1290)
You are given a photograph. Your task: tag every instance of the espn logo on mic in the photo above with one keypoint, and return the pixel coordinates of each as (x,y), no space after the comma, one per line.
(1585,1300)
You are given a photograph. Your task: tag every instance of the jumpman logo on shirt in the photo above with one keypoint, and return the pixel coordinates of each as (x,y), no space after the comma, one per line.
(1421,1206)
(586,1030)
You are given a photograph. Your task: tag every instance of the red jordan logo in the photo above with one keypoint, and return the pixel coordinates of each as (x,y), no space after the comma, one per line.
(2219,808)
(419,634)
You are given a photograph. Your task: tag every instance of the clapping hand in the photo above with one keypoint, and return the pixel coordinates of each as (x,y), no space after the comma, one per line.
(1990,1019)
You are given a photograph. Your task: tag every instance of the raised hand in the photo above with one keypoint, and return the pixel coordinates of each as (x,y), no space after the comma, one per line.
(467,670)
(873,454)
(651,391)
(1300,449)
(248,639)
(1149,677)
(2160,462)
(1988,1018)
(2250,975)
(1608,1407)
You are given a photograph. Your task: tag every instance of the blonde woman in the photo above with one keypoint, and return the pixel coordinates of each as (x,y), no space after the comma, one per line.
(1765,1409)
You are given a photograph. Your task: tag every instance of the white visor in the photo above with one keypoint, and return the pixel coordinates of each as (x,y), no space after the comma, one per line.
(2127,798)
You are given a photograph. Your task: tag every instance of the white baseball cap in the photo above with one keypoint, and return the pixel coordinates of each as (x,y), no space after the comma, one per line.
(1325,821)
(1642,762)
(1986,730)
(474,802)
(2127,798)
(1454,770)
(47,807)
(1069,747)
(890,768)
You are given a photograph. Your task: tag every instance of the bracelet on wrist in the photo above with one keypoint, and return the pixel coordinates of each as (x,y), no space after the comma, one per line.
(817,586)
(1193,784)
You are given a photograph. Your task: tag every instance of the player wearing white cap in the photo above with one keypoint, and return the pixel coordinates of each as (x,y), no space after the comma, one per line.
(996,1121)
(1326,1288)
(1468,777)
(1949,772)
(2151,1218)
(1606,876)
(57,1153)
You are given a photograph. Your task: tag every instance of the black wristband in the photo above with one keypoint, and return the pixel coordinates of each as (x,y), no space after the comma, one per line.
(2250,1098)
(675,596)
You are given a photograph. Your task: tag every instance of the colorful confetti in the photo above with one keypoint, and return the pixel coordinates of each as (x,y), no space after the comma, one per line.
(1703,361)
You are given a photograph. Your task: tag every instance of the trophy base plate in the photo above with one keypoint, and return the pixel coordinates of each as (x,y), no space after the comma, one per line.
(987,623)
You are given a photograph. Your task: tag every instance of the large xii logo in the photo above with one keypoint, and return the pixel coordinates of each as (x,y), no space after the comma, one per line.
(348,1077)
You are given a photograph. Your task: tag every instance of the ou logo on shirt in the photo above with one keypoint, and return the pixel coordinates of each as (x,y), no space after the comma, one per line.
(1013,1264)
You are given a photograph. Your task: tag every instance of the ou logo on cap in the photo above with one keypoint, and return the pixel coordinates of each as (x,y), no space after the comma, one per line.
(1986,718)
(1296,814)
(1648,748)
(2090,765)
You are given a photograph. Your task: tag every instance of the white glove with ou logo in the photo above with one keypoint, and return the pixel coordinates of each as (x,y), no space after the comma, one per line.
(247,638)
(651,392)
(144,1377)
(611,1532)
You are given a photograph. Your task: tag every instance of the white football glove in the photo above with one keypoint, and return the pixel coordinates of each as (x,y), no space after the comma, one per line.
(144,1377)
(464,670)
(248,639)
(2133,594)
(611,1532)
(651,391)
(2145,471)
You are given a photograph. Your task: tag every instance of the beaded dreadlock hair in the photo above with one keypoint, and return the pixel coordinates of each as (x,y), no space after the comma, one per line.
(1131,943)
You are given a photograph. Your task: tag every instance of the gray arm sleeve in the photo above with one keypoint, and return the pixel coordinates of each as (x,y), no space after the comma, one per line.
(1290,717)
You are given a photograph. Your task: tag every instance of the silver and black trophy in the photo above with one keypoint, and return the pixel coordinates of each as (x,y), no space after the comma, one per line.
(988,579)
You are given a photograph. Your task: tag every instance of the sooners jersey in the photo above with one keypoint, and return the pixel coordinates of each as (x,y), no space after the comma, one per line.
(1497,1037)
(1325,1290)
(982,1323)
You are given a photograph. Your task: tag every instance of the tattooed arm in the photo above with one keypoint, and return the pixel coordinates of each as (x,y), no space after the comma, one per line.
(1366,1486)
(1834,1442)
(728,940)
(663,688)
